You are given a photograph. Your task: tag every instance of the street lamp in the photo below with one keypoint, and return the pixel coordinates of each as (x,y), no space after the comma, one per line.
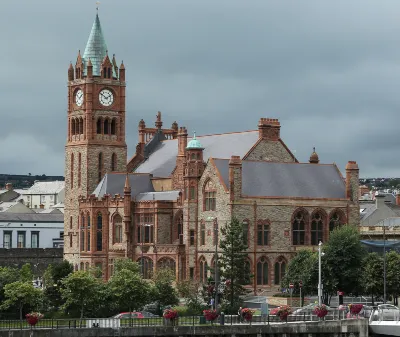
(216,261)
(320,254)
(384,263)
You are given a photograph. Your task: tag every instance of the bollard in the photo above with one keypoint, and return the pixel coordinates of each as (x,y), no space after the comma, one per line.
(222,319)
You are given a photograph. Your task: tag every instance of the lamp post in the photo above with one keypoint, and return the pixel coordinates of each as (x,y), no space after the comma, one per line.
(319,274)
(216,261)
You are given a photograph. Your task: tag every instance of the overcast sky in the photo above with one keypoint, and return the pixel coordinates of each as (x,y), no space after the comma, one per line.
(328,70)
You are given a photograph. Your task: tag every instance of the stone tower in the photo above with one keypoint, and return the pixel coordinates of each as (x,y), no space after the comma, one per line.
(96,129)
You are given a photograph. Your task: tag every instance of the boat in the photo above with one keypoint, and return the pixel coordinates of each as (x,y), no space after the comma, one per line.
(385,320)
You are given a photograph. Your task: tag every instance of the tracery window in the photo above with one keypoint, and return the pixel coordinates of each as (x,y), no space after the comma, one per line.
(146,267)
(113,126)
(262,271)
(117,229)
(145,228)
(106,131)
(336,220)
(280,269)
(245,228)
(203,270)
(262,232)
(98,126)
(299,228)
(166,262)
(202,234)
(210,195)
(88,233)
(99,233)
(317,228)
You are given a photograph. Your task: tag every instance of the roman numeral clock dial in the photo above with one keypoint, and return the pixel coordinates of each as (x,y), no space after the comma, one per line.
(79,98)
(106,97)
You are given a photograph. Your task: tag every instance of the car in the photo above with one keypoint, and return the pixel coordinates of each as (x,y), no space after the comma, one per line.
(308,310)
(128,315)
(147,314)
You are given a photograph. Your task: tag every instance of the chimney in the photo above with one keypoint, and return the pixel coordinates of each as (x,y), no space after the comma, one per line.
(380,200)
(182,141)
(269,129)
(352,181)
(235,177)
(9,187)
(142,132)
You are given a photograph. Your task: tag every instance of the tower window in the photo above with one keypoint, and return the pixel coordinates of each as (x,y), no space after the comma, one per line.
(79,169)
(99,126)
(105,72)
(73,126)
(113,162)
(113,122)
(72,171)
(106,131)
(109,72)
(99,236)
(100,166)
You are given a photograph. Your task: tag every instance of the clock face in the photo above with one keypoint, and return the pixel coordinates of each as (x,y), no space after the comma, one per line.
(106,97)
(79,97)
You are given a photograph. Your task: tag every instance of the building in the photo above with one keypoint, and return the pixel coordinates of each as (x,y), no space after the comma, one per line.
(44,194)
(9,194)
(165,205)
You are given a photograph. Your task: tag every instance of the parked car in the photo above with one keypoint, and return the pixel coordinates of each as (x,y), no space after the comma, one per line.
(127,315)
(308,310)
(147,314)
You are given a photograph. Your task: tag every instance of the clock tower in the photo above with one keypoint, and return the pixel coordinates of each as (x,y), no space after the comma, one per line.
(96,130)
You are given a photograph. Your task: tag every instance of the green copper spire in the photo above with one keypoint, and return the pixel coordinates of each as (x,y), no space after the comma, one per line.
(96,48)
(194,144)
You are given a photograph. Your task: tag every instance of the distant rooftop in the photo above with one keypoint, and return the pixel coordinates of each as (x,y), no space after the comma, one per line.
(45,187)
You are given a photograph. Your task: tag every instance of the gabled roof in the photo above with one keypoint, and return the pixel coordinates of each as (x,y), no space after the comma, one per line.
(113,183)
(45,187)
(162,160)
(271,179)
(31,217)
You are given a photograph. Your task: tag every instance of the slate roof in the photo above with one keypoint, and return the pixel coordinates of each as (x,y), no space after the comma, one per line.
(113,183)
(166,195)
(162,160)
(45,187)
(271,179)
(31,217)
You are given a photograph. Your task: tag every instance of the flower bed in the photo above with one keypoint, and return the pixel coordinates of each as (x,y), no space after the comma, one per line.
(247,314)
(283,312)
(320,310)
(33,318)
(210,315)
(170,314)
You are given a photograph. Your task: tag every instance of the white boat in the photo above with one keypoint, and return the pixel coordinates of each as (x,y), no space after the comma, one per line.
(385,320)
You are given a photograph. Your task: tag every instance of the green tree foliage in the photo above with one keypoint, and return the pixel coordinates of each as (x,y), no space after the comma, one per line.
(392,275)
(129,290)
(163,291)
(21,294)
(7,275)
(232,262)
(372,275)
(26,274)
(82,292)
(127,264)
(192,292)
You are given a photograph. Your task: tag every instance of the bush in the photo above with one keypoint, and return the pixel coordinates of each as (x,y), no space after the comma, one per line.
(182,311)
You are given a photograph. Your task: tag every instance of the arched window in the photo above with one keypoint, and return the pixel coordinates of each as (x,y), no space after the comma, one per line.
(166,262)
(247,273)
(245,228)
(106,131)
(82,266)
(98,126)
(79,169)
(263,233)
(336,219)
(202,233)
(88,234)
(99,233)
(100,166)
(262,271)
(113,126)
(299,228)
(73,126)
(109,72)
(317,228)
(114,162)
(81,126)
(82,232)
(117,229)
(280,269)
(87,266)
(203,269)
(210,194)
(72,171)
(146,267)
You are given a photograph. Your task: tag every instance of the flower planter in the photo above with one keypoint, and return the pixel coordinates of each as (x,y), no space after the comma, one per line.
(32,320)
(210,315)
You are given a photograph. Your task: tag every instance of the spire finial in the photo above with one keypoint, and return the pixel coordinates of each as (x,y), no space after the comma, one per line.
(194,134)
(314,148)
(97,6)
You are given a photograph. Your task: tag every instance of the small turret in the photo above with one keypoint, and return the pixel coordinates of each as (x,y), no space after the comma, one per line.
(158,120)
(314,159)
(122,72)
(79,66)
(89,69)
(70,72)
(114,63)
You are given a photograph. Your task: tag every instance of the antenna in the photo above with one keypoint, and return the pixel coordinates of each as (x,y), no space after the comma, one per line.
(97,5)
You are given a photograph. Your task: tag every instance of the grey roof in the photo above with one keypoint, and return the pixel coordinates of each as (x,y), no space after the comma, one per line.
(270,179)
(31,217)
(46,187)
(367,208)
(113,183)
(162,160)
(166,195)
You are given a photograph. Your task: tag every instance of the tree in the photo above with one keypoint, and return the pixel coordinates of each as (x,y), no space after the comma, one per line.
(192,292)
(7,275)
(392,275)
(129,290)
(26,274)
(21,294)
(163,292)
(53,277)
(232,262)
(128,264)
(81,291)
(372,271)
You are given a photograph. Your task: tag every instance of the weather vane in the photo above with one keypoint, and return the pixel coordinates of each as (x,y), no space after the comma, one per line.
(97,5)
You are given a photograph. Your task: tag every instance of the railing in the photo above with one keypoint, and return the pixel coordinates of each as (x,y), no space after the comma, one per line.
(159,321)
(386,315)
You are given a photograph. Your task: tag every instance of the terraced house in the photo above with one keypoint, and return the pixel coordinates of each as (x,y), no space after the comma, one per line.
(163,205)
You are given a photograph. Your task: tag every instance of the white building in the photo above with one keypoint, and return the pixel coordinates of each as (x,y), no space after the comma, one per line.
(31,230)
(44,194)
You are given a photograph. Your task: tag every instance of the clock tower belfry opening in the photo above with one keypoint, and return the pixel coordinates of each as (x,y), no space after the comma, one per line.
(96,129)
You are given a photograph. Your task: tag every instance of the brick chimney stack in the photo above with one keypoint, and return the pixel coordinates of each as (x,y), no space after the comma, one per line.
(352,181)
(182,141)
(235,177)
(269,128)
(398,199)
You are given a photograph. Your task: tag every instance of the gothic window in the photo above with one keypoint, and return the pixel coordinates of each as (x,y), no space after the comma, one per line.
(192,193)
(209,196)
(193,156)
(145,228)
(73,126)
(336,220)
(113,162)
(317,228)
(81,126)
(280,269)
(100,166)
(106,131)
(82,266)
(79,169)
(262,271)
(203,270)
(113,126)
(82,232)
(202,234)
(166,263)
(88,233)
(105,72)
(299,228)
(99,233)
(192,237)
(262,233)
(98,126)
(109,72)
(87,266)
(117,229)
(245,228)
(72,170)
(146,267)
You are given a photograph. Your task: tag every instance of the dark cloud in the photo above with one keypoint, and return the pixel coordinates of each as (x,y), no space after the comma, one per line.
(328,70)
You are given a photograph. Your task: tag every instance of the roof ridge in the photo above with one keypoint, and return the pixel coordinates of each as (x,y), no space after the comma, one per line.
(215,134)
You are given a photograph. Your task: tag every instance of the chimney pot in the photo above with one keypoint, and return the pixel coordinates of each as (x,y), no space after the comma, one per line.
(9,187)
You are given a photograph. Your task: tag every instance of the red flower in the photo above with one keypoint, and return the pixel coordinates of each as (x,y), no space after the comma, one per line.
(248,314)
(170,314)
(210,315)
